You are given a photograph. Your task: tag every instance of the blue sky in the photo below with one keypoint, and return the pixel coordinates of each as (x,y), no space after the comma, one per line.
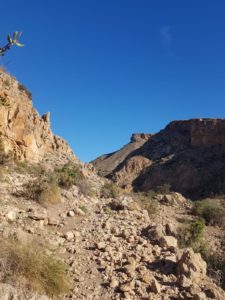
(108,68)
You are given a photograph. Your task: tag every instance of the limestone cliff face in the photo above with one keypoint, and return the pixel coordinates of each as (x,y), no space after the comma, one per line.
(189,155)
(22,130)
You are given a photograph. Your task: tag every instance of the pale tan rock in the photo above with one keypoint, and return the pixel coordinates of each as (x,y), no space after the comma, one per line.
(101,245)
(191,265)
(69,235)
(11,216)
(200,296)
(71,213)
(7,292)
(168,242)
(154,286)
(127,286)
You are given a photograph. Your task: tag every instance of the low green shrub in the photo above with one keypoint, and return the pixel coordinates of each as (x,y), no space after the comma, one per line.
(69,175)
(190,234)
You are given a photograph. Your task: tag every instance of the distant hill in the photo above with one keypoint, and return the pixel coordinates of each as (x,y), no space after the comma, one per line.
(188,155)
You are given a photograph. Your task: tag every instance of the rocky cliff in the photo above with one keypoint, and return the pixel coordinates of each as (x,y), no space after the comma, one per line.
(23,132)
(187,155)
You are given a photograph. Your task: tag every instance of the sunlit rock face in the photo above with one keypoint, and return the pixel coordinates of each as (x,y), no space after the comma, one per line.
(23,131)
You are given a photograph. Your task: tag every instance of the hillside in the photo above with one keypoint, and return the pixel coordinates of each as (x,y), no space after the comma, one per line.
(187,155)
(67,233)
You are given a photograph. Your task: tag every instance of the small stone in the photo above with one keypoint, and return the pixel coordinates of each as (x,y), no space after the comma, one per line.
(168,242)
(69,235)
(79,211)
(183,281)
(11,216)
(71,213)
(101,245)
(155,286)
(200,296)
(113,283)
(127,286)
(53,222)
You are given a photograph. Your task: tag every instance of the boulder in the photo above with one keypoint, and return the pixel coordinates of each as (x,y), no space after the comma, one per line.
(191,265)
(168,241)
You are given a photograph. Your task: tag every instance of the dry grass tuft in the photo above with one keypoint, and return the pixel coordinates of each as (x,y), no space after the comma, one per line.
(27,263)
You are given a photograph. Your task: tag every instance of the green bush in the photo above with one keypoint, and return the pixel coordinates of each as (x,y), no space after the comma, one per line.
(191,234)
(110,190)
(26,262)
(69,175)
(211,210)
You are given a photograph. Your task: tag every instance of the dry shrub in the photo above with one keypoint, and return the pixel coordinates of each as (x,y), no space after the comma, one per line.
(211,210)
(110,190)
(215,266)
(147,202)
(42,191)
(27,263)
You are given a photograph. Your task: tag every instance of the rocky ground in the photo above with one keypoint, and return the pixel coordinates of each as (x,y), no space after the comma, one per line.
(114,249)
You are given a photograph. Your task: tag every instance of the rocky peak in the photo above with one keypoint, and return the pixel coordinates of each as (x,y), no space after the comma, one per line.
(137,137)
(23,131)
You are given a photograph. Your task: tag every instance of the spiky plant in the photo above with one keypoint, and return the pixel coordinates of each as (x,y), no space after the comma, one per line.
(12,41)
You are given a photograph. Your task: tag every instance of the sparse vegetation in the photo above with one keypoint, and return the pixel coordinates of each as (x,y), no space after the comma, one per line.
(211,210)
(86,188)
(110,190)
(23,89)
(42,191)
(190,234)
(146,201)
(23,167)
(4,157)
(163,189)
(7,83)
(4,101)
(26,262)
(215,266)
(69,175)
(84,209)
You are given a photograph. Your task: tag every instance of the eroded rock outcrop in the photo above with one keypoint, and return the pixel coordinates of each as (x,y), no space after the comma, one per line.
(22,130)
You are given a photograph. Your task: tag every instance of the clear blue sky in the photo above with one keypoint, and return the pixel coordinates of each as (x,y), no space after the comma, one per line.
(108,68)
